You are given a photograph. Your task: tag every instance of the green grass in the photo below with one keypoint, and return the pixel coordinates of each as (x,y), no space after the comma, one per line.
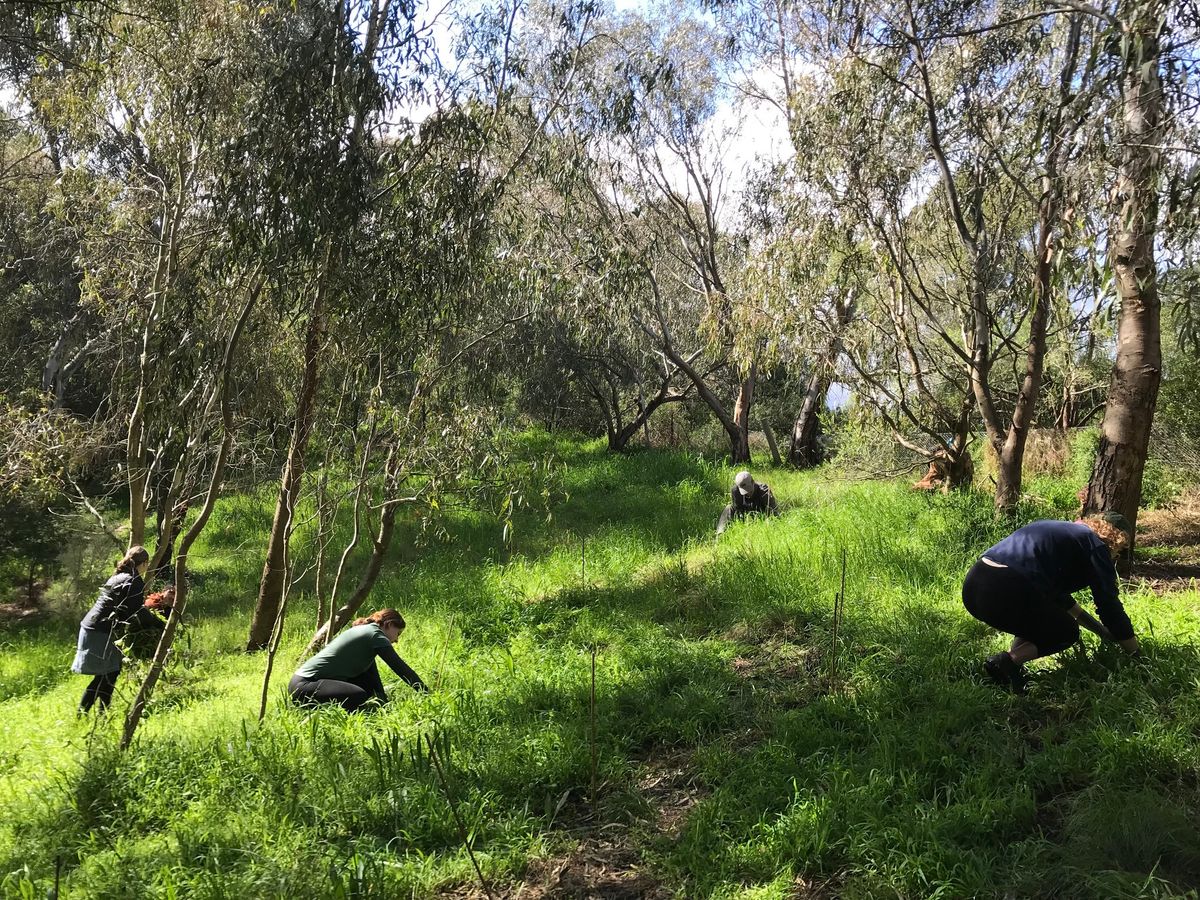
(906,778)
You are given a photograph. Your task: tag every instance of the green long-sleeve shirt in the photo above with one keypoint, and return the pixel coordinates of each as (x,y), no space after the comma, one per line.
(352,652)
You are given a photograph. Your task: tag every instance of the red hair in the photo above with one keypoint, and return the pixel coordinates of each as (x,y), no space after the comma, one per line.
(387,616)
(161,599)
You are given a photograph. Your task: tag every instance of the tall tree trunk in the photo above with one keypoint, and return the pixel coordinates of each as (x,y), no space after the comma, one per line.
(270,589)
(805,451)
(740,437)
(1011,455)
(769,434)
(1116,482)
(135,442)
(57,368)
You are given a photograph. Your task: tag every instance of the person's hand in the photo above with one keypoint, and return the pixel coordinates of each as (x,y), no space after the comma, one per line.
(1131,645)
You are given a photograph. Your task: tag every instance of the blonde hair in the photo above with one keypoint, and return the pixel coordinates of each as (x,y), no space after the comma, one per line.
(1116,539)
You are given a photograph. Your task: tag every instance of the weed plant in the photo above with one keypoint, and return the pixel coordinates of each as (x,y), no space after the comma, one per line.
(874,765)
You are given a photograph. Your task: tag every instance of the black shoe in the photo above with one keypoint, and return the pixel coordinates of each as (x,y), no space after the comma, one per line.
(1002,670)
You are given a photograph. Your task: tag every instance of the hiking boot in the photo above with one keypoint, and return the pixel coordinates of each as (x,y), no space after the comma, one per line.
(1002,670)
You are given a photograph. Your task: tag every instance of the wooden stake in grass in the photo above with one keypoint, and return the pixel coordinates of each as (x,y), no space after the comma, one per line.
(462,828)
(592,719)
(583,558)
(839,604)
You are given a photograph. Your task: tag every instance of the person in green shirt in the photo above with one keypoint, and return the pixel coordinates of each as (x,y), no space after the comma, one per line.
(345,671)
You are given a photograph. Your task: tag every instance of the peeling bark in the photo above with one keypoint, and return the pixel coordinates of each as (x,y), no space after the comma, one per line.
(1116,481)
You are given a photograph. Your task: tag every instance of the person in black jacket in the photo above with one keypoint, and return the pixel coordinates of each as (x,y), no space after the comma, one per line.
(1023,586)
(746,497)
(119,603)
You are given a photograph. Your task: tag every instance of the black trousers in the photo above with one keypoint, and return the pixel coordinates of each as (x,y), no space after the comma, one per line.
(351,693)
(1014,603)
(99,690)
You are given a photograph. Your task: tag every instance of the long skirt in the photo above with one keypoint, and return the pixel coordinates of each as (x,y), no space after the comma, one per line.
(96,653)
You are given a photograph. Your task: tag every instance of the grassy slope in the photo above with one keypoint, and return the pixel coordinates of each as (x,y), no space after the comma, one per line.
(909,779)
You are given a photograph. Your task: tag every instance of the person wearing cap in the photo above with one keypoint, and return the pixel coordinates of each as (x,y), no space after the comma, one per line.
(1023,586)
(345,671)
(747,496)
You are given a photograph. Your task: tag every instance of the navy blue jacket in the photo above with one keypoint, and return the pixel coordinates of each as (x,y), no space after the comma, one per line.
(1064,557)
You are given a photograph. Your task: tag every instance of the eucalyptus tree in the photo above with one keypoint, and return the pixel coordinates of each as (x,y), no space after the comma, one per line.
(135,108)
(430,286)
(958,126)
(1140,30)
(991,101)
(427,286)
(778,47)
(661,184)
(331,72)
(563,230)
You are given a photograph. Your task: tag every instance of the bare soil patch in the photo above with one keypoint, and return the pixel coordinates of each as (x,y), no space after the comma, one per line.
(1175,527)
(598,869)
(816,889)
(1173,538)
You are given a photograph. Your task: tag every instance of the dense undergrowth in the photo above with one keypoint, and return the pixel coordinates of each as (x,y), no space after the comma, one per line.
(900,775)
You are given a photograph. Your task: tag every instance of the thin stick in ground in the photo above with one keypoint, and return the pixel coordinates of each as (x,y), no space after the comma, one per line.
(462,828)
(592,718)
(839,603)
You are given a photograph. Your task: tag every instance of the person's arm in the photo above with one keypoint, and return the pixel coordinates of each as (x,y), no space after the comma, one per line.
(402,669)
(1103,583)
(130,608)
(1086,620)
(772,503)
(145,617)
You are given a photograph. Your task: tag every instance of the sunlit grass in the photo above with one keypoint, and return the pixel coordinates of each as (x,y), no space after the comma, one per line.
(901,776)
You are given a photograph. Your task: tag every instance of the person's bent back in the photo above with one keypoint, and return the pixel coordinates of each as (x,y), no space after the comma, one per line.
(345,671)
(747,497)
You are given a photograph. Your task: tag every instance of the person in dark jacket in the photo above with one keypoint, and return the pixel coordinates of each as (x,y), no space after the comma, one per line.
(1023,586)
(119,604)
(141,637)
(161,603)
(345,671)
(747,497)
